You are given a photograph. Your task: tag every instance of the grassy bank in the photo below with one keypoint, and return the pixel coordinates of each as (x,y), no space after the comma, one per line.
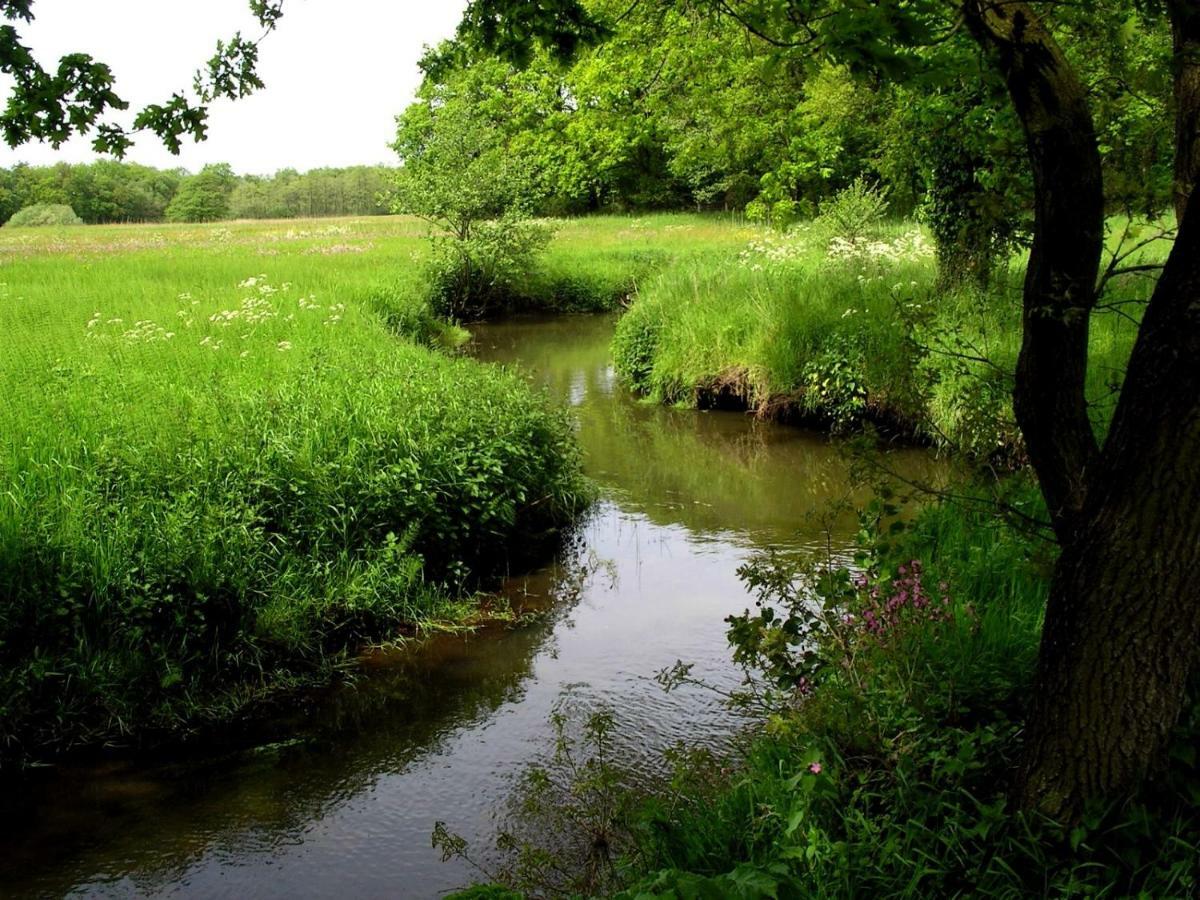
(843,332)
(231,454)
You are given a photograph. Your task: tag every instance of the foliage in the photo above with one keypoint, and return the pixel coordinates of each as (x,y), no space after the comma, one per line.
(489,269)
(288,194)
(107,191)
(44,214)
(460,175)
(78,97)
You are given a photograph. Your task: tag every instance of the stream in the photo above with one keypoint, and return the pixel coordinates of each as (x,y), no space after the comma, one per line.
(346,803)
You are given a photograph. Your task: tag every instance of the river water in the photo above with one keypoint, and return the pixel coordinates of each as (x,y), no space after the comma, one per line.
(345,802)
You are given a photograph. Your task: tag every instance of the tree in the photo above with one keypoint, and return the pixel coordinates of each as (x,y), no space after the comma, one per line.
(203,197)
(77,97)
(460,173)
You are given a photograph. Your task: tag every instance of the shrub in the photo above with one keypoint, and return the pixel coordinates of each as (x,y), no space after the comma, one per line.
(42,215)
(488,269)
(856,212)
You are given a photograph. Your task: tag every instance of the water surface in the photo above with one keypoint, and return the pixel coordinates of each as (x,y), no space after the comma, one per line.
(342,799)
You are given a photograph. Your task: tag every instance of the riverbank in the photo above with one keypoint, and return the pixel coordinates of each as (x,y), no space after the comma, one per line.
(802,327)
(338,790)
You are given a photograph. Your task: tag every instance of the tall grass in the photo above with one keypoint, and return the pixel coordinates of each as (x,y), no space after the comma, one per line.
(798,327)
(221,465)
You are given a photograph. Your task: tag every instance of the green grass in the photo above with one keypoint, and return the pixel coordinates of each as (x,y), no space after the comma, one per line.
(786,330)
(230,453)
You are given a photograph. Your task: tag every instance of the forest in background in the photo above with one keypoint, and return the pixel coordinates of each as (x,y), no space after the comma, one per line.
(107,191)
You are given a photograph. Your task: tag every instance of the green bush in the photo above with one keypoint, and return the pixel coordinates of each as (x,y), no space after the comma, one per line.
(855,212)
(486,271)
(42,215)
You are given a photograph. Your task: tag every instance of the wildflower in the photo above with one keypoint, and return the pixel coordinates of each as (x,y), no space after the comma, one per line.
(815,768)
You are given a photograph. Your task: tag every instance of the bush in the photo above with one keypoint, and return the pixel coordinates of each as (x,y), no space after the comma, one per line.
(489,269)
(42,215)
(856,212)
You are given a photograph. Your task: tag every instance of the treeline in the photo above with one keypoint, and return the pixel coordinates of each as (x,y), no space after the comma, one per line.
(681,109)
(108,191)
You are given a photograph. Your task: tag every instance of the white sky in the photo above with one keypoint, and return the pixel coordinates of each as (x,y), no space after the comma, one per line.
(337,73)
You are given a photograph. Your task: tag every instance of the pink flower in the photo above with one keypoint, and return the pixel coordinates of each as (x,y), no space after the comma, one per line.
(815,768)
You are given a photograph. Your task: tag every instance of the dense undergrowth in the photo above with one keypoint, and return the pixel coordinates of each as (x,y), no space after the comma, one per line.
(841,332)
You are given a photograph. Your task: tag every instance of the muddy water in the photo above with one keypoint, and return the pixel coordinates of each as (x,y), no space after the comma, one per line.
(345,803)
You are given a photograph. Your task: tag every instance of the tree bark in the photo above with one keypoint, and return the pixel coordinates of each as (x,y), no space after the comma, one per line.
(1060,283)
(1123,619)
(1185,31)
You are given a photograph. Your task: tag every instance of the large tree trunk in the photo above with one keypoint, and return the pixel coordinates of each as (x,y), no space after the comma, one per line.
(1123,619)
(1124,612)
(1060,284)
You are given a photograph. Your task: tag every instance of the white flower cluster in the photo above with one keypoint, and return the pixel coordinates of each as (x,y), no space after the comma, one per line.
(773,252)
(912,246)
(256,308)
(259,305)
(252,311)
(337,249)
(300,234)
(147,332)
(335,313)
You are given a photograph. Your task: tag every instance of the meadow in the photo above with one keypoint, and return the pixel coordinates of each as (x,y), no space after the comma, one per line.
(232,454)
